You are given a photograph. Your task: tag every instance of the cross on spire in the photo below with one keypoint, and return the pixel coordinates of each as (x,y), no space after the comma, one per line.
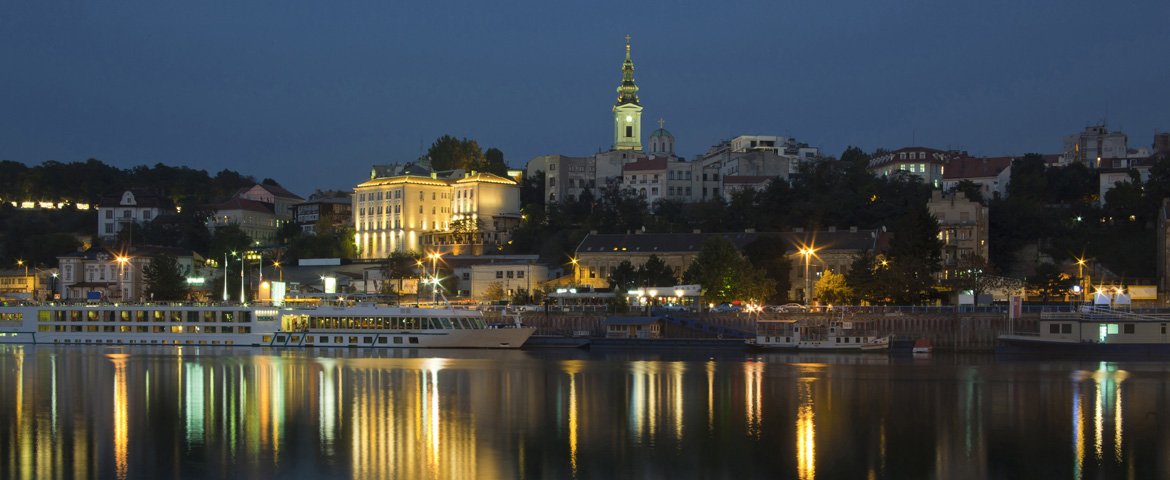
(660,122)
(627,39)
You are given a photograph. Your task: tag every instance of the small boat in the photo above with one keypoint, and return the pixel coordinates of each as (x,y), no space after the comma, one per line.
(922,345)
(837,335)
(1092,331)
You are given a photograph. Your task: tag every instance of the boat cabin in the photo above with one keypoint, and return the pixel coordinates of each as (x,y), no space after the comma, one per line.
(633,327)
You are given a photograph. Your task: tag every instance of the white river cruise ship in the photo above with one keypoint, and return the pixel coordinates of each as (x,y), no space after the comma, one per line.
(350,325)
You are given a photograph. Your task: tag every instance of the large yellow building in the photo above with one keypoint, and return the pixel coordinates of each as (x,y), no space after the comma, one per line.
(414,209)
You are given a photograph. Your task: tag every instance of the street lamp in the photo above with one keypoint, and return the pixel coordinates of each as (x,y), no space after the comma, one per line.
(225,277)
(279,270)
(574,262)
(1081,277)
(26,283)
(417,285)
(54,293)
(434,275)
(121,277)
(807,252)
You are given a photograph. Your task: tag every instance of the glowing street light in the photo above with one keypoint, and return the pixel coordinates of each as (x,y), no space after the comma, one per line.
(807,252)
(1081,278)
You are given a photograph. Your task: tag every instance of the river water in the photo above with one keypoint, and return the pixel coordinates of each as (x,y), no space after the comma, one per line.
(186,412)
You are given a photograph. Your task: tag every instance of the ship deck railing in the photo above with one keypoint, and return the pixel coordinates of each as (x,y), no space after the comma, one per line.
(1088,312)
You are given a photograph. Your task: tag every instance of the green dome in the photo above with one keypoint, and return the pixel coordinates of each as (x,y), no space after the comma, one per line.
(661,132)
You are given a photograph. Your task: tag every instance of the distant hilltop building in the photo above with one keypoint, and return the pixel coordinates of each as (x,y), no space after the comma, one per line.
(117,210)
(658,173)
(259,210)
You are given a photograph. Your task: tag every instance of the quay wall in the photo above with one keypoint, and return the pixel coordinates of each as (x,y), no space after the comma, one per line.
(955,331)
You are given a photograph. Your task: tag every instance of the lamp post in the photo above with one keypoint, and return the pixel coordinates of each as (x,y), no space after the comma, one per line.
(54,288)
(417,285)
(242,279)
(1081,277)
(807,281)
(279,271)
(30,289)
(121,278)
(574,262)
(225,277)
(434,275)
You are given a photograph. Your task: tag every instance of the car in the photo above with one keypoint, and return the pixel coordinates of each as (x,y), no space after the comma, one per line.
(725,308)
(791,308)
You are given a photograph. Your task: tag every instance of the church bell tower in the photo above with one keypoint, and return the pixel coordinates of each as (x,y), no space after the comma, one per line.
(627,114)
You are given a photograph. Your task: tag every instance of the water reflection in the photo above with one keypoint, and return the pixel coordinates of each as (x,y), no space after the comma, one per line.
(190,412)
(806,451)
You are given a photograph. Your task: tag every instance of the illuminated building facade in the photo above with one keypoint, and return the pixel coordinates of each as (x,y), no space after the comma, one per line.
(415,209)
(117,210)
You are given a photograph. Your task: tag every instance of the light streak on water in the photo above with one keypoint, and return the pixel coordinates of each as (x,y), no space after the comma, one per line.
(805,432)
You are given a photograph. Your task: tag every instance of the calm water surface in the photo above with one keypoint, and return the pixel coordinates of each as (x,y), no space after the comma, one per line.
(94,412)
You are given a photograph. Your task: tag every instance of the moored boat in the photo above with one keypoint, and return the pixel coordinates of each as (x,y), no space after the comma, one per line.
(835,335)
(1092,331)
(343,325)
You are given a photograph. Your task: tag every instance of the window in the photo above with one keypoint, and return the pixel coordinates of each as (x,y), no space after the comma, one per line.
(499,274)
(1066,328)
(552,167)
(109,214)
(432,195)
(1054,328)
(466,276)
(126,214)
(520,274)
(109,228)
(1128,328)
(629,131)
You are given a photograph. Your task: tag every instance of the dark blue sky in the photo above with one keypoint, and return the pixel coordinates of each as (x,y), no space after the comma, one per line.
(313,93)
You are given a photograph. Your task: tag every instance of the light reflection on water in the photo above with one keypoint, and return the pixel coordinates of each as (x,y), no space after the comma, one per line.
(93,412)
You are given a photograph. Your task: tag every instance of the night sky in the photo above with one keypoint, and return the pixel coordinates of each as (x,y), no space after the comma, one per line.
(313,93)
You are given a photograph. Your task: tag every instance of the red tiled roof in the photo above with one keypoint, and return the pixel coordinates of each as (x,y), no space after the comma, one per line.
(746,179)
(275,190)
(970,167)
(646,164)
(245,204)
(932,156)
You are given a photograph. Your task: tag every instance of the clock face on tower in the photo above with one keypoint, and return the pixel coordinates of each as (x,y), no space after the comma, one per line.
(629,118)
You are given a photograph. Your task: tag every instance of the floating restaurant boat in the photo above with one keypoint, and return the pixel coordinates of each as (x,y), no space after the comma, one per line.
(836,335)
(1092,331)
(345,324)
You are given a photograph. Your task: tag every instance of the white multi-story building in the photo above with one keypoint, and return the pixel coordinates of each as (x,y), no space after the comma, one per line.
(131,206)
(1093,145)
(926,163)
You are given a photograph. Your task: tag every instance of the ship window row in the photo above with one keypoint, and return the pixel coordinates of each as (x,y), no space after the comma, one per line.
(323,339)
(141,329)
(158,316)
(305,322)
(164,342)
